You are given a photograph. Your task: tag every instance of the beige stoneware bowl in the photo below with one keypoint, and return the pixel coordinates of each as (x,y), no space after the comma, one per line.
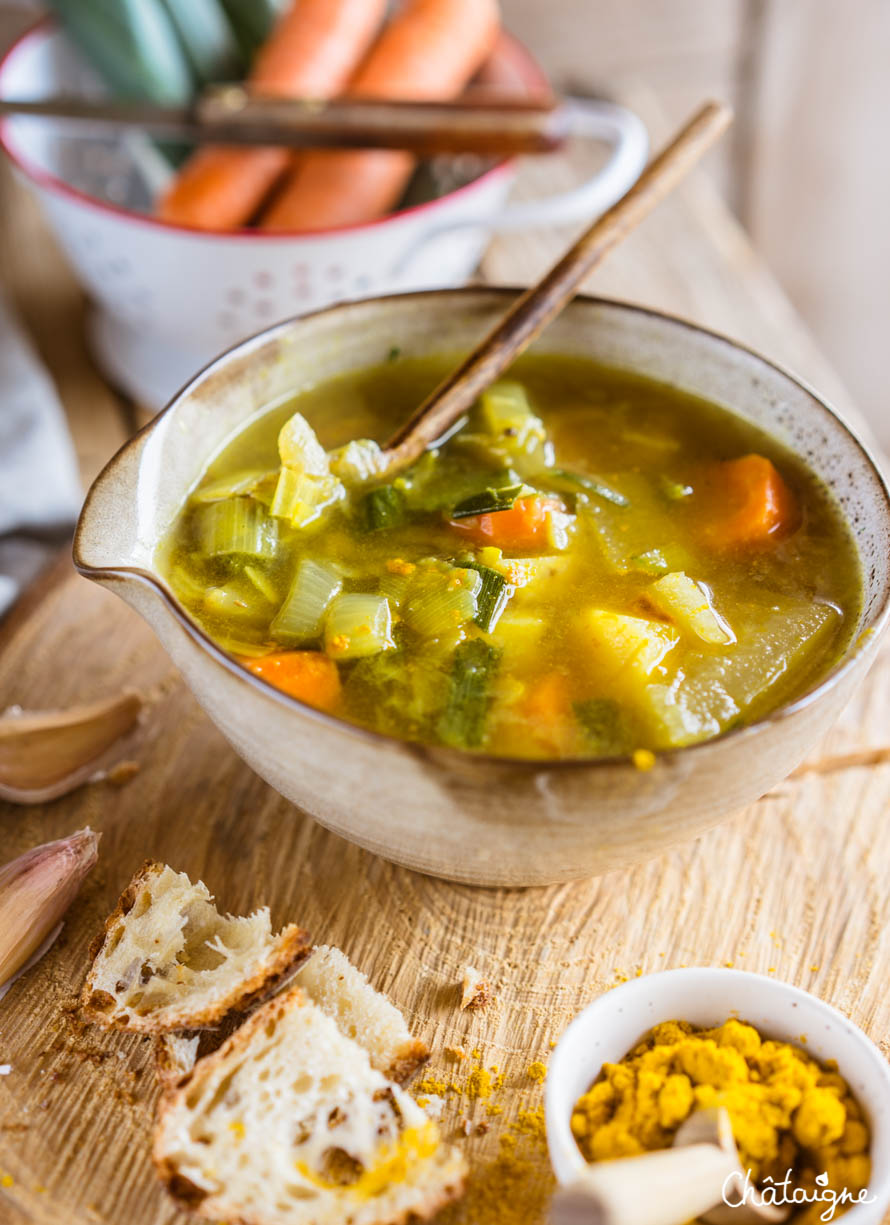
(481,820)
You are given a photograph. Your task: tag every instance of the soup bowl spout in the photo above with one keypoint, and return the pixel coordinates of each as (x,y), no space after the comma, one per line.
(471,817)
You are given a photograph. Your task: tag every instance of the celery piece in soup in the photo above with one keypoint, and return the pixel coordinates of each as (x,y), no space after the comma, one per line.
(236,526)
(357,625)
(301,616)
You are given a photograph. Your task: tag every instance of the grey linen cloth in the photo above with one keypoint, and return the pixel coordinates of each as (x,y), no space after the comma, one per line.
(40,492)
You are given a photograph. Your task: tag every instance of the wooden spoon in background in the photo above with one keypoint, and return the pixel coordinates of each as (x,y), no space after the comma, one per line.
(540,305)
(671,1186)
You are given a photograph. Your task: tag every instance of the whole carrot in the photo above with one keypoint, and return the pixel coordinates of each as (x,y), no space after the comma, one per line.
(312,52)
(428,52)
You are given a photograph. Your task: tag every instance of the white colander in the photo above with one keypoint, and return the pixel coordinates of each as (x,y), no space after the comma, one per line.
(167,299)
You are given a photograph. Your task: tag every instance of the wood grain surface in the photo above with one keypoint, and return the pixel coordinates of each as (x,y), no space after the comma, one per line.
(795,886)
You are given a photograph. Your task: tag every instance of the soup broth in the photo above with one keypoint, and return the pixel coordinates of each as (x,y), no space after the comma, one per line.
(592,564)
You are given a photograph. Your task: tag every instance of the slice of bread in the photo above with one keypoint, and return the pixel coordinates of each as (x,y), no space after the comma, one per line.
(343,992)
(168,960)
(289,1124)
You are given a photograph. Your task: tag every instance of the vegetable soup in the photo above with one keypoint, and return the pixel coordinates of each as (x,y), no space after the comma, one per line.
(590,564)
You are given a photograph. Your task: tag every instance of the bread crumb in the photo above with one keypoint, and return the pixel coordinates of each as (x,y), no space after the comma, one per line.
(122,772)
(455,1054)
(433,1105)
(482,1128)
(475,991)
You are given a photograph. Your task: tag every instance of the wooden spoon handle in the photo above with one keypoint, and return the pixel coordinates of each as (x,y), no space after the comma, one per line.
(668,1187)
(535,308)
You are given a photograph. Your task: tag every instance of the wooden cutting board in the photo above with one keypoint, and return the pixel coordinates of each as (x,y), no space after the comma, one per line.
(795,886)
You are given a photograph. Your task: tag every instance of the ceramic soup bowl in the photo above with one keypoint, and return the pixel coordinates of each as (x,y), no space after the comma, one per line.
(472,818)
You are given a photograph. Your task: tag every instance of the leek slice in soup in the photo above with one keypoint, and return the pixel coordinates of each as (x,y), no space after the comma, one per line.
(591,563)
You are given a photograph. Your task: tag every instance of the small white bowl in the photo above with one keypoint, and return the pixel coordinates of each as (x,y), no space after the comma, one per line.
(613,1023)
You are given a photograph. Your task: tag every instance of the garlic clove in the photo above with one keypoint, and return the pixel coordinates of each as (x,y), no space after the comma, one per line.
(35,892)
(45,754)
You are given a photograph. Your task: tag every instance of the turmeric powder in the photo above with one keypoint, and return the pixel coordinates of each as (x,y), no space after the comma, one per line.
(788,1111)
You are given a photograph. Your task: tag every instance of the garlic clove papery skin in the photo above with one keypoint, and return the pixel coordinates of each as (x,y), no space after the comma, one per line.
(35,892)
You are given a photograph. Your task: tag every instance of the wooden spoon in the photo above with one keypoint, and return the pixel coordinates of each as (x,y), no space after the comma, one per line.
(47,753)
(714,1127)
(669,1187)
(540,305)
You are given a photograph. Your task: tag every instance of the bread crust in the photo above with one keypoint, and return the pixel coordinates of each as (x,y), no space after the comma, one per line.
(408,1060)
(202,1203)
(289,950)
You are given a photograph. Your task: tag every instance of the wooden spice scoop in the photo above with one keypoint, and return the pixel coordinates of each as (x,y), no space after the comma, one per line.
(668,1187)
(540,305)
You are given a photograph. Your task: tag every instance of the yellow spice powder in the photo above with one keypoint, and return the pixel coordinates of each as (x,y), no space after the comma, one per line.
(513,1188)
(788,1111)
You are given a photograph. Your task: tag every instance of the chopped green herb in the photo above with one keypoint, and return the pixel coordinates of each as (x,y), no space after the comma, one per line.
(462,724)
(382,508)
(604,726)
(394,354)
(492,596)
(487,502)
(590,484)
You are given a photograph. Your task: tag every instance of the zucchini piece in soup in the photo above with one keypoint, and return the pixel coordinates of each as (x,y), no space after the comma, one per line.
(474,668)
(382,509)
(492,596)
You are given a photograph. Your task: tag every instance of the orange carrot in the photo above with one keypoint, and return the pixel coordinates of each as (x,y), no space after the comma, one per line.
(756,504)
(547,699)
(544,717)
(307,675)
(428,52)
(522,528)
(311,52)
